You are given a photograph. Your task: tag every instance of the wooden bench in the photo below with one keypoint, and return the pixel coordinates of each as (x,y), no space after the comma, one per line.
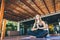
(13,33)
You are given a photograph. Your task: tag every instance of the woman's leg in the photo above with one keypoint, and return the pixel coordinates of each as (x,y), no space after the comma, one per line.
(42,33)
(38,33)
(32,33)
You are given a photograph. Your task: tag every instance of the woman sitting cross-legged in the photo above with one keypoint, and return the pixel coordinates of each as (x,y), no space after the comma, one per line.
(39,28)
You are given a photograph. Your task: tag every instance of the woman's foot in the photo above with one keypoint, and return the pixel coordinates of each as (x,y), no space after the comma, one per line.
(32,36)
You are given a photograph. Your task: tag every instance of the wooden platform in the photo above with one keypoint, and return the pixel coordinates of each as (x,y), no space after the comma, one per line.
(28,38)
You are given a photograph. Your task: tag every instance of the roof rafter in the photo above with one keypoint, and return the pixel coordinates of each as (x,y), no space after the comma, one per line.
(10,17)
(27,4)
(38,6)
(20,17)
(46,5)
(54,5)
(21,8)
(17,13)
(20,12)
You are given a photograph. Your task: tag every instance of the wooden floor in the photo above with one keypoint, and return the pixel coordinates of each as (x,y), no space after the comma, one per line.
(28,38)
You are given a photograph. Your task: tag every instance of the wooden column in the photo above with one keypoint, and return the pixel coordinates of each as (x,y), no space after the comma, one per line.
(1,13)
(18,26)
(3,29)
(1,19)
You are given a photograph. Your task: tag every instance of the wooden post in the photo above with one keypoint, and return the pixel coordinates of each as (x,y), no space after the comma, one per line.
(3,29)
(18,26)
(1,13)
(1,18)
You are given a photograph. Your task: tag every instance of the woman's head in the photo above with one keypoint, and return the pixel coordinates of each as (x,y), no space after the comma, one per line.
(37,17)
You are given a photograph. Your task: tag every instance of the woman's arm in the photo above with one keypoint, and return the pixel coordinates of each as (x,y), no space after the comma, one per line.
(34,27)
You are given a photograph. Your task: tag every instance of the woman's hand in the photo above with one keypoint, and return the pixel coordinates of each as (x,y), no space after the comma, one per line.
(34,29)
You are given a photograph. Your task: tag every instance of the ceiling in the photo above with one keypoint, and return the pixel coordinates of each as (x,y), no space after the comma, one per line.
(17,10)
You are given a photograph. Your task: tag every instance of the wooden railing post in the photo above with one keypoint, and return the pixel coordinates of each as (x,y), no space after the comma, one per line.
(3,29)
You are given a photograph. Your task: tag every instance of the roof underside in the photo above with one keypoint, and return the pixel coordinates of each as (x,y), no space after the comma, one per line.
(17,10)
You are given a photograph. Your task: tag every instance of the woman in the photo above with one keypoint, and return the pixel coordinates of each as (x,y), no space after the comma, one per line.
(39,28)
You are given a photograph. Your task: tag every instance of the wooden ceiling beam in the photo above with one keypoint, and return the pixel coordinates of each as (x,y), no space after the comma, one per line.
(16,16)
(46,5)
(27,4)
(38,6)
(9,18)
(32,14)
(42,6)
(20,12)
(34,6)
(57,3)
(21,16)
(50,5)
(53,1)
(12,17)
(24,15)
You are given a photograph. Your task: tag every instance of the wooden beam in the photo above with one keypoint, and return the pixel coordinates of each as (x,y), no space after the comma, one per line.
(2,12)
(20,12)
(57,3)
(11,17)
(54,5)
(3,29)
(23,13)
(27,4)
(50,6)
(20,16)
(46,5)
(17,14)
(14,16)
(33,14)
(34,6)
(42,6)
(38,6)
